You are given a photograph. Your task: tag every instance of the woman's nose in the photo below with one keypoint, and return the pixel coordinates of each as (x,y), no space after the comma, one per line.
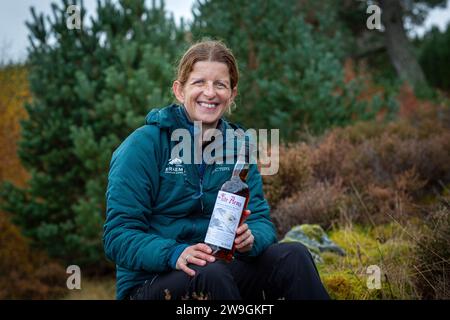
(209,90)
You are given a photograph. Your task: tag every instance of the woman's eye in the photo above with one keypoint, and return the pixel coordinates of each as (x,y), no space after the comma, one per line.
(221,85)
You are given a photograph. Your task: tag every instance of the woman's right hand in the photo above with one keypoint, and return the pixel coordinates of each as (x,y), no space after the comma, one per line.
(198,254)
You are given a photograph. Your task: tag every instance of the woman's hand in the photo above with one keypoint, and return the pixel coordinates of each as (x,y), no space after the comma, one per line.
(244,237)
(198,254)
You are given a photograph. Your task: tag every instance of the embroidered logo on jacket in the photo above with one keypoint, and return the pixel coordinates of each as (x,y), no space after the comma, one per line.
(175,166)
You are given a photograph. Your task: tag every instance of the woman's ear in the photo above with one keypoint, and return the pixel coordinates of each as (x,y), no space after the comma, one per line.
(233,94)
(177,89)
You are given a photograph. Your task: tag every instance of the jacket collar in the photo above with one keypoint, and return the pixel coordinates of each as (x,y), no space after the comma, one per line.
(174,116)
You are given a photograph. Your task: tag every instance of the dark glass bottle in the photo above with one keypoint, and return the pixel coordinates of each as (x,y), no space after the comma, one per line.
(228,214)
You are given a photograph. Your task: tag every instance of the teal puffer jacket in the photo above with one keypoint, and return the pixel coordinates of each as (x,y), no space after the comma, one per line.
(155,208)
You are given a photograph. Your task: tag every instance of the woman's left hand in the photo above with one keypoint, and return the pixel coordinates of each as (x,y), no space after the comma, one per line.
(244,237)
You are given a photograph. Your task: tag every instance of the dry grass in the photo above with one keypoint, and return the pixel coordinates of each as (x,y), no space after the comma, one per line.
(94,289)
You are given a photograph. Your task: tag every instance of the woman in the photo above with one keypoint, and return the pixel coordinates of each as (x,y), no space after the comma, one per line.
(158,210)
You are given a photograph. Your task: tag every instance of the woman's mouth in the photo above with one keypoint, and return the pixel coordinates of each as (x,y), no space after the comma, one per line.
(208,105)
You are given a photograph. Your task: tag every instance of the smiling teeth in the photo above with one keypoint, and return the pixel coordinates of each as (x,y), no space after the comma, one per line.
(208,105)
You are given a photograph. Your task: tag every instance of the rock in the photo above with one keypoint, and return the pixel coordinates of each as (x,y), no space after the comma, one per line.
(314,238)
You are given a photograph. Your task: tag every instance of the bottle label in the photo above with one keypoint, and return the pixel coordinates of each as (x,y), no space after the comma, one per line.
(224,219)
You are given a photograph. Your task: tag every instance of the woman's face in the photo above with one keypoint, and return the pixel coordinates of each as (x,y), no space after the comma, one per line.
(207,92)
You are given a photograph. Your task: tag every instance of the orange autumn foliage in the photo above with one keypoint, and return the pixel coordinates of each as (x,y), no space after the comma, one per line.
(14,92)
(354,71)
(25,273)
(410,105)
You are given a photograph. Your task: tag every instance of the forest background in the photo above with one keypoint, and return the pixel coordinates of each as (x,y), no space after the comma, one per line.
(362,108)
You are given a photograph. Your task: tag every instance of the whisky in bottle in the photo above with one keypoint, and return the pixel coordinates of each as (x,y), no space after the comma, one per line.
(228,215)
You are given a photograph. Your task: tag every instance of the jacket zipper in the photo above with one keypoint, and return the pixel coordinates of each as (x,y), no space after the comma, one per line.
(201,192)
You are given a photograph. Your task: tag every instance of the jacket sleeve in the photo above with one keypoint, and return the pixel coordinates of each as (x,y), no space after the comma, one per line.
(133,181)
(259,220)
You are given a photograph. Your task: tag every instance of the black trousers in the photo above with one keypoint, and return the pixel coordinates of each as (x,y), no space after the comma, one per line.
(283,271)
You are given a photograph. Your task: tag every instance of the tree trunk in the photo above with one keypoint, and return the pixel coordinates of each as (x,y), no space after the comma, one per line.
(399,49)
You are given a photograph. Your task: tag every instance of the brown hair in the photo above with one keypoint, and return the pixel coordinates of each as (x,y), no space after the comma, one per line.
(209,50)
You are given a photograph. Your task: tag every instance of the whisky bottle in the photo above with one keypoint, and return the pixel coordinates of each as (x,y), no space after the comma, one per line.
(228,215)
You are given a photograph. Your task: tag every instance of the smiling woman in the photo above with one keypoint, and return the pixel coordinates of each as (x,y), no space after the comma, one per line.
(207,93)
(157,218)
(206,82)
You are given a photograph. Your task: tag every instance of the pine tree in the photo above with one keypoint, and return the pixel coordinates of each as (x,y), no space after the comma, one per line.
(91,87)
(290,57)
(434,57)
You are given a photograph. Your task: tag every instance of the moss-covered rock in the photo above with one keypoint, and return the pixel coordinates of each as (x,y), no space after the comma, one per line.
(344,285)
(314,238)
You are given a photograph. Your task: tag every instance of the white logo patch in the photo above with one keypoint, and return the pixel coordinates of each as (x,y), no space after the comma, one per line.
(175,166)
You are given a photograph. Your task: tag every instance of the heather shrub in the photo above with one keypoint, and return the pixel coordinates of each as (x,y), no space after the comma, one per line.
(294,173)
(330,156)
(396,148)
(429,156)
(25,273)
(321,203)
(368,173)
(386,169)
(380,202)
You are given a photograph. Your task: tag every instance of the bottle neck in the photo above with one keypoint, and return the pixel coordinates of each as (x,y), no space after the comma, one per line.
(242,163)
(240,171)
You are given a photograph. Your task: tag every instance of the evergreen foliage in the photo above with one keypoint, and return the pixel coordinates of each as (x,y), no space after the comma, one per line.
(290,57)
(91,87)
(434,57)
